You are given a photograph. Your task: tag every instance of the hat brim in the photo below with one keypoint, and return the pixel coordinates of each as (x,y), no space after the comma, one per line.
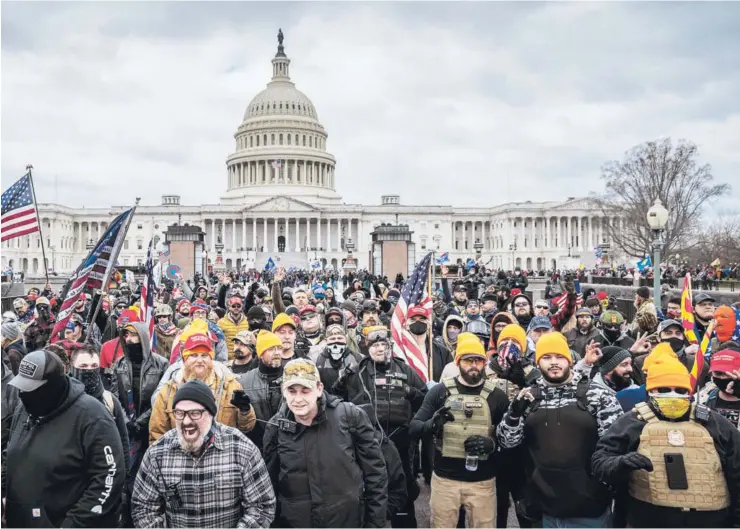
(310,384)
(199,349)
(26,384)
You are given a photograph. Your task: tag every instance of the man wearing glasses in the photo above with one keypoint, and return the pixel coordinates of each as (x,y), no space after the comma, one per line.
(204,474)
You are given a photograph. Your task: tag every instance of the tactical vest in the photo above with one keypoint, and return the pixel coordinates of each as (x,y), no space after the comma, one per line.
(392,407)
(472,417)
(707,485)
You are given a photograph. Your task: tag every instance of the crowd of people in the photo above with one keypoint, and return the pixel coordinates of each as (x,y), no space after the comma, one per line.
(283,400)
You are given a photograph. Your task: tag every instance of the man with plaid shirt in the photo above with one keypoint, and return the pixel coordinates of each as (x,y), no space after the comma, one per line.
(202,473)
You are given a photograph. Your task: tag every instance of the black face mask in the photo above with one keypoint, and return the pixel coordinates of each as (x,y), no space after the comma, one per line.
(44,400)
(418,328)
(135,352)
(675,343)
(43,311)
(612,334)
(255,325)
(722,384)
(91,379)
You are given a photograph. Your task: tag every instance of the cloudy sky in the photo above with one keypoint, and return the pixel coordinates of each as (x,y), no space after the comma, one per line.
(442,103)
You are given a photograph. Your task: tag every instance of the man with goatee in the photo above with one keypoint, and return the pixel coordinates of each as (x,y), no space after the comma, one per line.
(558,421)
(233,406)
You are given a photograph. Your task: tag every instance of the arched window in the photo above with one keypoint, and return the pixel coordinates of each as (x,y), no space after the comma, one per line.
(264,139)
(251,143)
(289,139)
(281,139)
(310,141)
(272,139)
(258,141)
(304,140)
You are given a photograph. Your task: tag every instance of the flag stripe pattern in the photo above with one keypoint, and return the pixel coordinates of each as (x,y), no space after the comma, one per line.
(19,216)
(687,311)
(147,292)
(93,270)
(414,293)
(698,366)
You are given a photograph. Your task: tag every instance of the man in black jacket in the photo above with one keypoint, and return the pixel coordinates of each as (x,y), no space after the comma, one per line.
(396,393)
(64,460)
(325,463)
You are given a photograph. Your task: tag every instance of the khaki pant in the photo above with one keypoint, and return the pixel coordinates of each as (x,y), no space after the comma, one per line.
(478,498)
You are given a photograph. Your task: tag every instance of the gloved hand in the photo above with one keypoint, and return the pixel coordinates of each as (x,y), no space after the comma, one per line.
(479,445)
(634,461)
(411,392)
(340,385)
(241,400)
(134,430)
(522,401)
(438,420)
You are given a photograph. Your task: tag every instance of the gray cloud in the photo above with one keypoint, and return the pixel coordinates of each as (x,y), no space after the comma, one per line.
(443,103)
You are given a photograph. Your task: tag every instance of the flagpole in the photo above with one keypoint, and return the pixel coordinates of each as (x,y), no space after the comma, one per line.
(431,320)
(109,269)
(29,168)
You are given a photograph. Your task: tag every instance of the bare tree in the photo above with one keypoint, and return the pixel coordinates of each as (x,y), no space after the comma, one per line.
(657,169)
(719,239)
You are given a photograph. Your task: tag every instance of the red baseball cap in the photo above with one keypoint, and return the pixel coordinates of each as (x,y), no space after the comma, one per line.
(198,343)
(307,308)
(417,311)
(725,361)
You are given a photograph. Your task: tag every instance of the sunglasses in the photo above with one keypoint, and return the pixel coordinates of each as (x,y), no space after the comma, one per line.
(521,305)
(545,307)
(680,391)
(236,306)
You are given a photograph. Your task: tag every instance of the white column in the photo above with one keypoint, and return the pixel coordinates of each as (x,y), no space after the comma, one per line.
(233,235)
(254,234)
(264,239)
(213,236)
(275,234)
(244,232)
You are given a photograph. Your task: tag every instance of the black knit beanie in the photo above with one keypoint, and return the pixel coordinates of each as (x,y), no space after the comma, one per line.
(611,357)
(196,391)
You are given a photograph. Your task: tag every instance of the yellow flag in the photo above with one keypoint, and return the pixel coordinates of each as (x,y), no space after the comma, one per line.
(715,262)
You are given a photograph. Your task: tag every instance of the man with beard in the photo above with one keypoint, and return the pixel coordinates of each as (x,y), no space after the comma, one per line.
(285,329)
(233,322)
(459,298)
(461,414)
(262,385)
(85,367)
(584,331)
(64,463)
(310,324)
(245,358)
(370,313)
(335,357)
(22,310)
(234,407)
(395,392)
(614,370)
(183,313)
(226,483)
(164,330)
(38,332)
(558,421)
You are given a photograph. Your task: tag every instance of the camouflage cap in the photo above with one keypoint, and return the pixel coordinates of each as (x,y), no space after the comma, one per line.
(301,371)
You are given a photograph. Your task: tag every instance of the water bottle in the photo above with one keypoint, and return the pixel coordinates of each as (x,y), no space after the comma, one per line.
(471,463)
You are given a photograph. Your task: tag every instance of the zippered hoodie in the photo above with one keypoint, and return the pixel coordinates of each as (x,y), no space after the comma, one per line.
(66,469)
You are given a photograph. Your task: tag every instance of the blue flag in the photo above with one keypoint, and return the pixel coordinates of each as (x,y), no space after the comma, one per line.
(270,266)
(647,262)
(444,258)
(470,263)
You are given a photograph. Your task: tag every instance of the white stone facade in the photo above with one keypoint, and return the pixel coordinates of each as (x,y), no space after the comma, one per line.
(281,195)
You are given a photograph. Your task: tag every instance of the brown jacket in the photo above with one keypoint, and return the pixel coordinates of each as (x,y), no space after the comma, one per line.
(162,420)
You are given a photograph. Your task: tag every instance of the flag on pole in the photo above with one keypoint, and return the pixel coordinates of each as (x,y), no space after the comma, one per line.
(698,366)
(147,293)
(414,294)
(645,263)
(687,311)
(444,258)
(95,269)
(19,215)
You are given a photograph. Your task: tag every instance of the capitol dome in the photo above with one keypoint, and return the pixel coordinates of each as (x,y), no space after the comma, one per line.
(280,145)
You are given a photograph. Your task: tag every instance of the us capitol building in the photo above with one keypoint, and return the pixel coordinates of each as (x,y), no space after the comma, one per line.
(281,200)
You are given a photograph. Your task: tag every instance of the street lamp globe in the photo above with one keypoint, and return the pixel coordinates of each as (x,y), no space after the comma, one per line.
(657,216)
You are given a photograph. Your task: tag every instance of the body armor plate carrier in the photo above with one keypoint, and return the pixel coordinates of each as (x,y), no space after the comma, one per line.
(472,417)
(707,489)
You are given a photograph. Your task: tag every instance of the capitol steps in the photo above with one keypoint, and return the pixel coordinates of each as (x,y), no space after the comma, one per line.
(286,259)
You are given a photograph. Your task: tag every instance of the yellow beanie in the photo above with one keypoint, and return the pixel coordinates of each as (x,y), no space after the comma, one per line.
(282,319)
(552,343)
(668,373)
(197,326)
(661,352)
(265,340)
(469,344)
(514,332)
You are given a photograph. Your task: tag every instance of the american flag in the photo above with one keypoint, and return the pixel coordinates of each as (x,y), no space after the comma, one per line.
(19,216)
(414,293)
(147,292)
(276,164)
(94,270)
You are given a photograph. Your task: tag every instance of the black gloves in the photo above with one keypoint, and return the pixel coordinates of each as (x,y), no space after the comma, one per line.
(241,400)
(479,445)
(438,420)
(134,430)
(519,406)
(634,461)
(340,386)
(411,392)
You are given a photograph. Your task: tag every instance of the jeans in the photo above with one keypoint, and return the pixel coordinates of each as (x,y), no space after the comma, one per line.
(602,521)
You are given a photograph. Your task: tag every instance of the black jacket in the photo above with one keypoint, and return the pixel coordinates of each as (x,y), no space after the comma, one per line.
(67,469)
(264,392)
(152,370)
(624,436)
(330,474)
(15,351)
(10,401)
